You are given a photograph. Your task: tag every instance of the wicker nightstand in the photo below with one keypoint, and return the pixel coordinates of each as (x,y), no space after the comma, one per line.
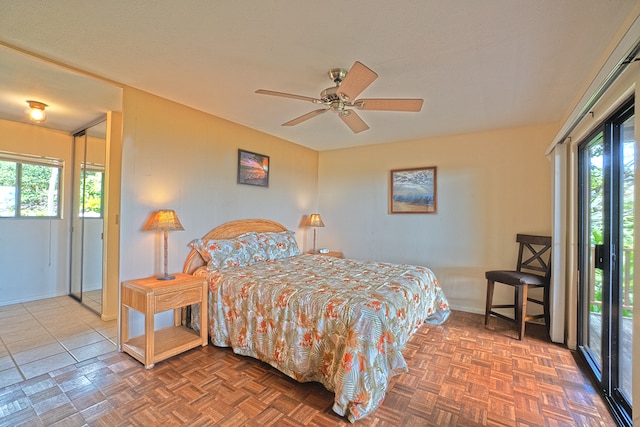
(150,296)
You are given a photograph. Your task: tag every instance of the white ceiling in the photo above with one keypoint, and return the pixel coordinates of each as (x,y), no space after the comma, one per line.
(479,65)
(73,100)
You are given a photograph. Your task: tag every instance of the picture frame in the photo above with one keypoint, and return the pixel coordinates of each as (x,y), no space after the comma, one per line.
(253,168)
(413,190)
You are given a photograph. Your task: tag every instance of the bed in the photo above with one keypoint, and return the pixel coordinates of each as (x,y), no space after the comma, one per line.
(340,322)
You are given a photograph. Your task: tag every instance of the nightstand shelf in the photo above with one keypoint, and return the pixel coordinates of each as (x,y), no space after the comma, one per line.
(150,296)
(168,342)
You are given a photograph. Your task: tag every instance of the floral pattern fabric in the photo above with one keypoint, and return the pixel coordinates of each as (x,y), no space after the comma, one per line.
(230,253)
(246,249)
(340,322)
(278,245)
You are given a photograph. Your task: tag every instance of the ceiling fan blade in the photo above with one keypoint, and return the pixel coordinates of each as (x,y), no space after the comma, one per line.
(390,104)
(357,80)
(353,120)
(305,117)
(286,95)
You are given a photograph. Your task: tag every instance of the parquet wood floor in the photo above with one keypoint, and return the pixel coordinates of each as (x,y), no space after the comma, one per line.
(460,374)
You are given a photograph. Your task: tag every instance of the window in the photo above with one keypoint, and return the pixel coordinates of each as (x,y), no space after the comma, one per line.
(91,191)
(29,186)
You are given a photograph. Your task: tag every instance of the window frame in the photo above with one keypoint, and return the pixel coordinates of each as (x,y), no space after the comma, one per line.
(26,159)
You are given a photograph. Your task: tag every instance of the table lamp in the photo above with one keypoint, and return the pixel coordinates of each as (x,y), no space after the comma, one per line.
(164,220)
(315,221)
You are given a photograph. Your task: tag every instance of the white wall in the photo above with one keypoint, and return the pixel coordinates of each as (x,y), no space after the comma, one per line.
(490,186)
(178,158)
(34,253)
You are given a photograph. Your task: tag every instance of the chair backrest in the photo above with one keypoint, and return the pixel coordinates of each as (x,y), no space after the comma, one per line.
(534,255)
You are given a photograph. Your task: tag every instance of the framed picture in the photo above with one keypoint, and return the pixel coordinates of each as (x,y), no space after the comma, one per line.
(253,168)
(413,190)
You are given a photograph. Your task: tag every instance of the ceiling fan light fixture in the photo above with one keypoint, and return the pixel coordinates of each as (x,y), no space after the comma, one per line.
(338,106)
(36,111)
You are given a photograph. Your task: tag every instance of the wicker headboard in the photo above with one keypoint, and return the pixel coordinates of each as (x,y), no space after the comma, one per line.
(230,230)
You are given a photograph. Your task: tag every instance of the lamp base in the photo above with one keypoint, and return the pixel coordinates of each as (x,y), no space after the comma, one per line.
(166,277)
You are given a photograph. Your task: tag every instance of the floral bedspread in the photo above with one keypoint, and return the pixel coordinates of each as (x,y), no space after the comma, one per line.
(340,322)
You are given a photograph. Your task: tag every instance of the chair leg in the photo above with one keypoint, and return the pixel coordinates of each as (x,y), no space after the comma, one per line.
(547,312)
(489,301)
(521,308)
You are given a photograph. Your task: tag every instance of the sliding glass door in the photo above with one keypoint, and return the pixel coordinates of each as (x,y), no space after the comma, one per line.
(606,259)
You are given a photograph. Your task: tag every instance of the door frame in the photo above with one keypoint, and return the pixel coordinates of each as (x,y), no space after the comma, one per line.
(606,375)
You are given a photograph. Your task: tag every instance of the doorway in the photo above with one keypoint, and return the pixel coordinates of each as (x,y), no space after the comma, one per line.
(606,176)
(87,216)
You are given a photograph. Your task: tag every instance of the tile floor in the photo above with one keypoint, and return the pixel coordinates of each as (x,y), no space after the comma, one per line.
(37,337)
(93,300)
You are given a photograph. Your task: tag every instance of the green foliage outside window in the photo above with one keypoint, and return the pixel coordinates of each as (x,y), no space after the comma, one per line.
(29,189)
(627,221)
(91,189)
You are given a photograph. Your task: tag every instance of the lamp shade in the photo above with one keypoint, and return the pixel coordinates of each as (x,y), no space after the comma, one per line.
(315,220)
(165,219)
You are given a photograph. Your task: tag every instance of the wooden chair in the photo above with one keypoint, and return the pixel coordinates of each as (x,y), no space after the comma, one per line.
(533,271)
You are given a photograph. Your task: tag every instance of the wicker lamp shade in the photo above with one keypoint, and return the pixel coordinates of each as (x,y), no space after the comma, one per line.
(315,220)
(164,220)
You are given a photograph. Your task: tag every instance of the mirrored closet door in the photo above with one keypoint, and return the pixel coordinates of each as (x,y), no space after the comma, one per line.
(86,278)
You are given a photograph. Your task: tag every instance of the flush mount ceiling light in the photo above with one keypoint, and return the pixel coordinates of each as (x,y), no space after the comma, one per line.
(36,111)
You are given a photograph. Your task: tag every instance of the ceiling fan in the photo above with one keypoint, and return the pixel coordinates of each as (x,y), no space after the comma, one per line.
(341,98)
